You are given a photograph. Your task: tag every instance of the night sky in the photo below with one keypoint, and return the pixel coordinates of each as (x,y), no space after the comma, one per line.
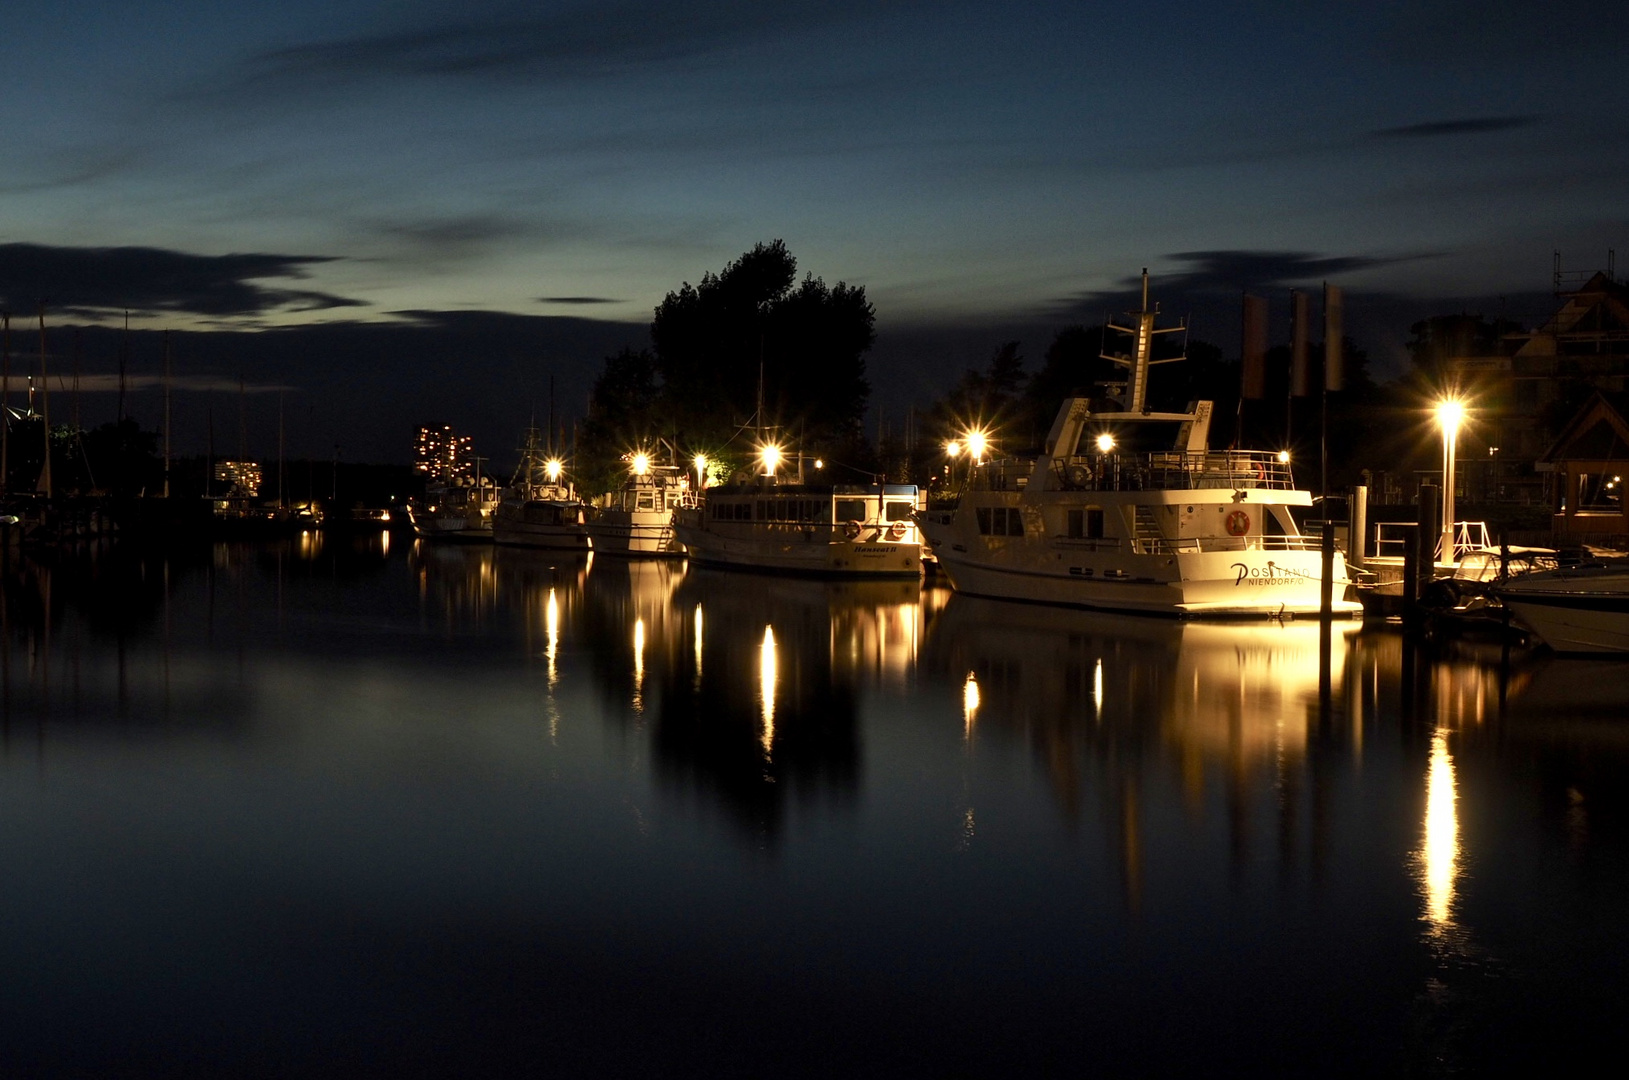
(393,212)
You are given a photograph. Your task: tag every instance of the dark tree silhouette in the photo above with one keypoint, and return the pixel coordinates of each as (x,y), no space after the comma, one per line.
(808,339)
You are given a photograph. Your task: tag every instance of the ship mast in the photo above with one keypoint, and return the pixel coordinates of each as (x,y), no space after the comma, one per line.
(1142,357)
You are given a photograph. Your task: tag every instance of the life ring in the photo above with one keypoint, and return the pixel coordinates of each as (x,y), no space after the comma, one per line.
(1238,523)
(896,531)
(1078,476)
(852,530)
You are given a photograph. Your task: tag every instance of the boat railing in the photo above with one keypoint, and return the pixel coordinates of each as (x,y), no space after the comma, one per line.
(1173,470)
(1166,545)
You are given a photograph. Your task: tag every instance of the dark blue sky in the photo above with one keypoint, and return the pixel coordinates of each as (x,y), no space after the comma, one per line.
(983,170)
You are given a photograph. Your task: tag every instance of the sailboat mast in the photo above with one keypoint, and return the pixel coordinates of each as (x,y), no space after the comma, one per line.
(45,409)
(166,414)
(5,401)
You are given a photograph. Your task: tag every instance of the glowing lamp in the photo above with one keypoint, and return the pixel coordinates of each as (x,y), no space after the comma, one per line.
(820,463)
(641,464)
(1283,457)
(771,458)
(977,442)
(952,448)
(1105,443)
(553,467)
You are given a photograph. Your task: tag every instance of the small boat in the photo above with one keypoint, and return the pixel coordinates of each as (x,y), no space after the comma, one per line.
(539,508)
(1129,510)
(455,508)
(637,519)
(835,530)
(1581,609)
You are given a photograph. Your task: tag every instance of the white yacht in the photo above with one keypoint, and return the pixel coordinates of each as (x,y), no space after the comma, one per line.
(540,508)
(838,530)
(1129,510)
(1577,610)
(637,519)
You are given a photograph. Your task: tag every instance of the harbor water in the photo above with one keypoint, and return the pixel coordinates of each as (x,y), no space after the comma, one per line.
(361,806)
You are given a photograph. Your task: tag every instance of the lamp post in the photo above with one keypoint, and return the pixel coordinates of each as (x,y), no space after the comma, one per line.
(1450,414)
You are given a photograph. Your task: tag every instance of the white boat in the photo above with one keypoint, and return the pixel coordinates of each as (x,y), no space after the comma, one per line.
(455,508)
(637,519)
(1577,610)
(540,508)
(1129,510)
(834,530)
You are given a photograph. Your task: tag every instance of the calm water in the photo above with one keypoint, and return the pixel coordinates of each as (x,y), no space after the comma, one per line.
(353,808)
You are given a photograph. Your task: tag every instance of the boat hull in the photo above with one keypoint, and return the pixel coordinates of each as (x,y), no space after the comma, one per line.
(540,525)
(1252,583)
(801,551)
(1573,612)
(636,534)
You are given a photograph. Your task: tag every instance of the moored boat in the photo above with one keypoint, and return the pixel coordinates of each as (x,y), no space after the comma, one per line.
(838,530)
(1574,610)
(540,508)
(1129,510)
(636,520)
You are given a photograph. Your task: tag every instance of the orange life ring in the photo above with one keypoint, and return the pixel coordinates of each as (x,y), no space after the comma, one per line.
(896,531)
(1238,523)
(852,530)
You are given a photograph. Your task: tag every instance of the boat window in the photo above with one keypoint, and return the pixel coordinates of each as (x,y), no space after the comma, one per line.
(1094,523)
(647,501)
(1075,525)
(1000,521)
(851,510)
(897,511)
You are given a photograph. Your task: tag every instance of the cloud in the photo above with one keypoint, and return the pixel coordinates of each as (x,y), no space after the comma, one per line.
(577,300)
(148,280)
(588,40)
(1226,272)
(1475,125)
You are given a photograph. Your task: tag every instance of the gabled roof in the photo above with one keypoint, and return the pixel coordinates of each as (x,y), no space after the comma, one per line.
(1598,312)
(1597,432)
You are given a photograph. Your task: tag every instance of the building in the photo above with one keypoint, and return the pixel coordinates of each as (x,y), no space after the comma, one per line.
(442,453)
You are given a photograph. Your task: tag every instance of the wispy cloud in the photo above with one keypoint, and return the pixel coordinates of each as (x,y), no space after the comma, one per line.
(579,300)
(1436,129)
(587,40)
(144,279)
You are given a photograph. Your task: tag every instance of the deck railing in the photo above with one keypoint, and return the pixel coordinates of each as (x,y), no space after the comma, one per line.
(1174,470)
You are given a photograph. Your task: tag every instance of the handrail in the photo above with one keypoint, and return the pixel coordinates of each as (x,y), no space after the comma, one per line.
(1174,470)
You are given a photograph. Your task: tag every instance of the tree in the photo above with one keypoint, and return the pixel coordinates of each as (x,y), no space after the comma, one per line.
(622,411)
(807,339)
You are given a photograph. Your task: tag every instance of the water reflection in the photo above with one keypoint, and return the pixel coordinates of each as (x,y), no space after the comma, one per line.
(1439,850)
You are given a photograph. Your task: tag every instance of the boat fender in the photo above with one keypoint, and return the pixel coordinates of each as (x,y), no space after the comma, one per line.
(1238,523)
(1261,473)
(851,530)
(896,531)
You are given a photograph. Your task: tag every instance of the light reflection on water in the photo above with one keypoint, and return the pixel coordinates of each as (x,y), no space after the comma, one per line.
(649,800)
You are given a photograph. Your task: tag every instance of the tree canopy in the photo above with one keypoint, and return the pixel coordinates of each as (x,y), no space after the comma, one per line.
(808,339)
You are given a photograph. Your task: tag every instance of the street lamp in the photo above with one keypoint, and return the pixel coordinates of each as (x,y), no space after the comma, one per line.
(771,457)
(1450,414)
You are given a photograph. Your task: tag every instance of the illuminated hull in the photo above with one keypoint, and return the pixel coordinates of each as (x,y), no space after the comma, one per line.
(789,549)
(540,524)
(1574,611)
(1188,576)
(635,534)
(455,526)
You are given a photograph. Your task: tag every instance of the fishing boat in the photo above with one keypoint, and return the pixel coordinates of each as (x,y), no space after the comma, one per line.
(455,508)
(636,520)
(774,524)
(1127,509)
(540,508)
(1581,609)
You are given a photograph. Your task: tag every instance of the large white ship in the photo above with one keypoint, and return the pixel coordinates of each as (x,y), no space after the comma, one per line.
(1129,510)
